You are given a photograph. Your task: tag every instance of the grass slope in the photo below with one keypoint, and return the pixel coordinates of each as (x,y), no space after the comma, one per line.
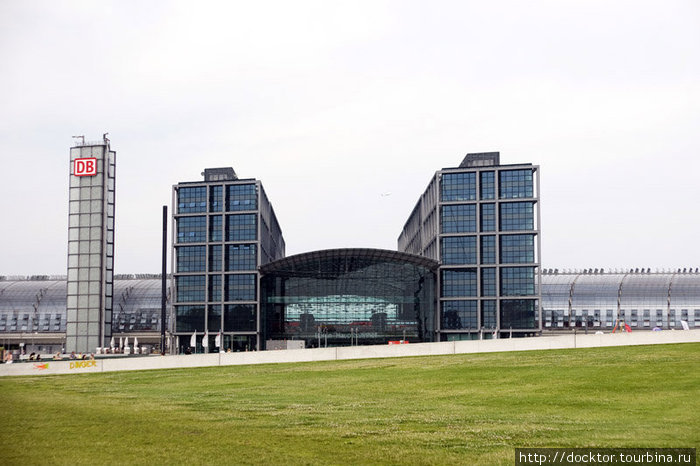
(461,409)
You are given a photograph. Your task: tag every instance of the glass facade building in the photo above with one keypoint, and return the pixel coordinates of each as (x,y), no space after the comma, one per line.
(342,297)
(468,267)
(33,309)
(224,228)
(90,247)
(480,222)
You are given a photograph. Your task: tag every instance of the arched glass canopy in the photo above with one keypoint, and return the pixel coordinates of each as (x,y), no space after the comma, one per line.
(341,296)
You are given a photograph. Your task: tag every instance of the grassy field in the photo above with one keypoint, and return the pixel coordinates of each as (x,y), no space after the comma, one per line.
(462,409)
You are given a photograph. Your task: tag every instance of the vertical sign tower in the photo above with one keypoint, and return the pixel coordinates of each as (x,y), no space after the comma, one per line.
(90,246)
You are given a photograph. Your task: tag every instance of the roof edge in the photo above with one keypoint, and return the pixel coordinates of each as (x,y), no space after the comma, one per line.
(356,252)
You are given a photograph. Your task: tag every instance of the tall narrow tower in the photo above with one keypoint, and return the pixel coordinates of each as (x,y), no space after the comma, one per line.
(90,246)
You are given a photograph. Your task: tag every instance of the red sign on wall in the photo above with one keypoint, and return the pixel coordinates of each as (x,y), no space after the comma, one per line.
(85,166)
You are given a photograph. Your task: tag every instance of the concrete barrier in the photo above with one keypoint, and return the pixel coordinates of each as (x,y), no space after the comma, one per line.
(351,352)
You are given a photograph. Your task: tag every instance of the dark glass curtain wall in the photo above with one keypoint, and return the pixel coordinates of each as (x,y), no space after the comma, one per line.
(349,296)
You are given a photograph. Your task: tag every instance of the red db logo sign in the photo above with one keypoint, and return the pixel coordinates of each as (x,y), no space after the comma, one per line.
(85,167)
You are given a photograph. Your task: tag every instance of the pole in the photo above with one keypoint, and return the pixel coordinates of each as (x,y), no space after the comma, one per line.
(163,280)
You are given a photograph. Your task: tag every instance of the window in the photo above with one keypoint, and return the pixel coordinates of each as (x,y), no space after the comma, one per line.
(215,288)
(215,228)
(514,184)
(488,281)
(216,198)
(488,249)
(459,315)
(517,281)
(191,258)
(458,250)
(488,217)
(241,257)
(191,229)
(488,314)
(190,288)
(215,258)
(517,249)
(458,187)
(214,317)
(240,287)
(242,197)
(459,282)
(516,216)
(191,200)
(240,318)
(459,218)
(518,313)
(189,318)
(488,185)
(242,227)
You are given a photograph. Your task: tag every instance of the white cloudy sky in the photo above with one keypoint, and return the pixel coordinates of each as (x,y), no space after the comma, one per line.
(332,104)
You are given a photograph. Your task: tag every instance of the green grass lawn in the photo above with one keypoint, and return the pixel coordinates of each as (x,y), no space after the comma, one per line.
(460,409)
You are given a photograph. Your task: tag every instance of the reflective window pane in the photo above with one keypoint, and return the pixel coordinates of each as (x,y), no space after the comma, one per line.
(516,216)
(517,281)
(517,249)
(216,198)
(240,318)
(191,258)
(191,229)
(458,218)
(458,187)
(241,257)
(488,249)
(459,315)
(459,282)
(242,227)
(240,287)
(514,184)
(488,185)
(458,250)
(241,197)
(191,200)
(518,313)
(488,217)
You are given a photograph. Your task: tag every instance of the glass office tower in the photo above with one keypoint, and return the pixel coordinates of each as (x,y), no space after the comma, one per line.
(481,222)
(224,228)
(90,246)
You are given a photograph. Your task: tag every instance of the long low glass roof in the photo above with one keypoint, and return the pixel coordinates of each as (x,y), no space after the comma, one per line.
(137,298)
(627,290)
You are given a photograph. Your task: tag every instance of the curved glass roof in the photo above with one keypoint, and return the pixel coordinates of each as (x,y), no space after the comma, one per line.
(136,301)
(383,295)
(555,291)
(635,290)
(645,291)
(136,304)
(596,291)
(337,261)
(684,291)
(360,272)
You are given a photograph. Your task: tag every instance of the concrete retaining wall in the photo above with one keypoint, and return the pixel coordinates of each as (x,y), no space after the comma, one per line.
(352,352)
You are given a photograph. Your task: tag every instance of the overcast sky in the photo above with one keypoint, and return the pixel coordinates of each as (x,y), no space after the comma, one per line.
(332,104)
